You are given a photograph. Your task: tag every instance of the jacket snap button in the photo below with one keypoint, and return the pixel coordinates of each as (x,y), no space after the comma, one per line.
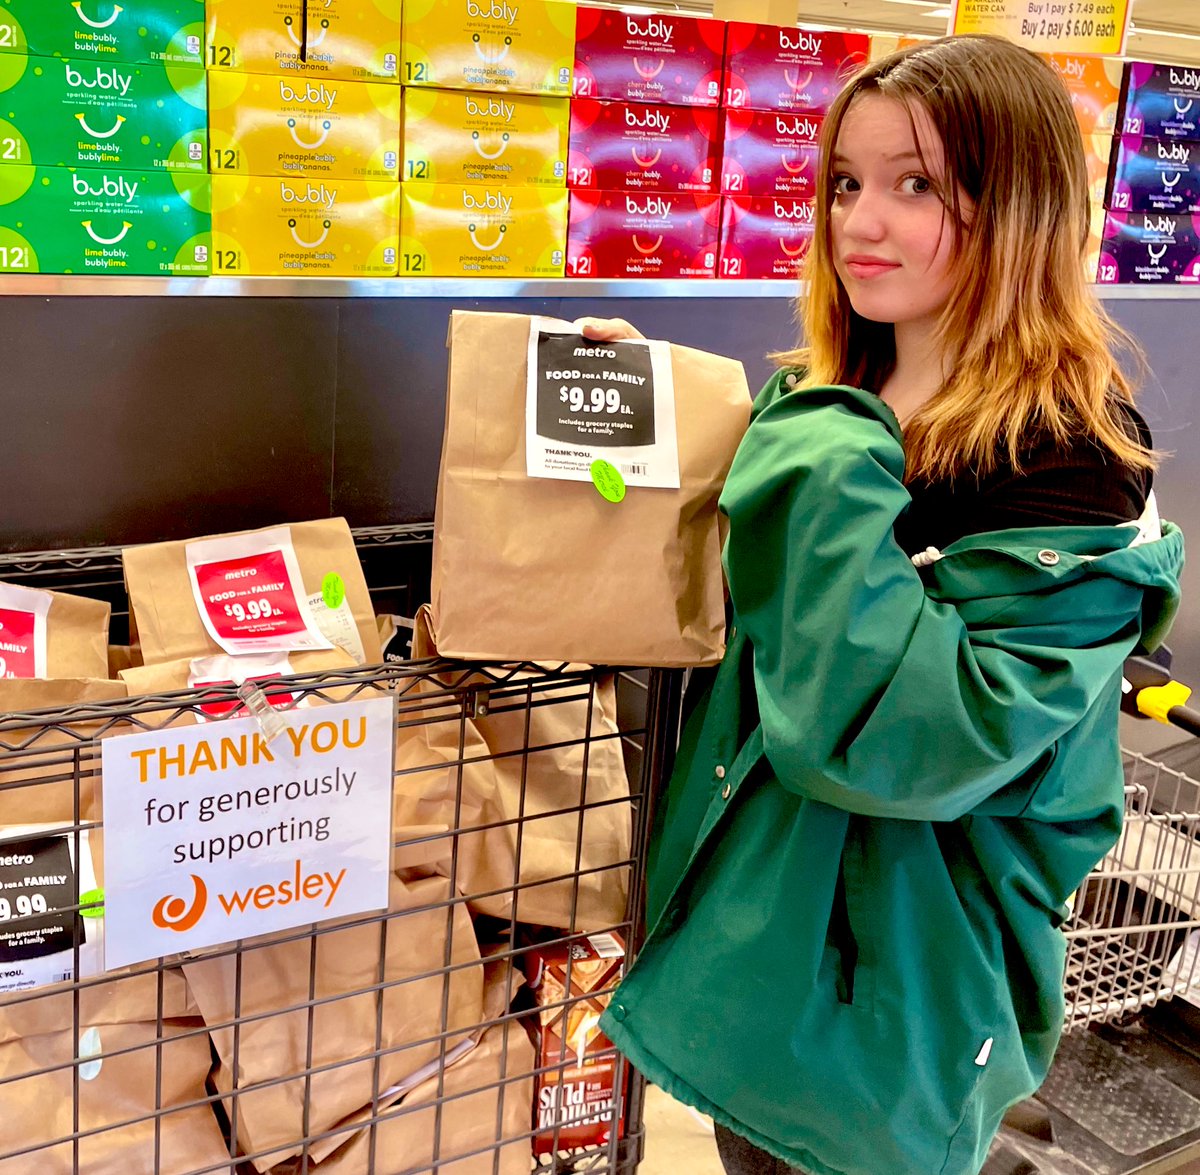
(618,1012)
(1048,558)
(719,772)
(725,792)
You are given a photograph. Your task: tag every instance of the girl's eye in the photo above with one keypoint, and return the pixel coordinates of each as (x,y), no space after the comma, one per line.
(844,184)
(917,184)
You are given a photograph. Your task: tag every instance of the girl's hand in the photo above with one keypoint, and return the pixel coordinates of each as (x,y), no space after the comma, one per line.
(607,330)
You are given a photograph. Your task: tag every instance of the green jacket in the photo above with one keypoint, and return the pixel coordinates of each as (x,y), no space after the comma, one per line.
(882,806)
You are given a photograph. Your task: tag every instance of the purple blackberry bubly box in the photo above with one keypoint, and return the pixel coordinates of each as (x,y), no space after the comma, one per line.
(1154,175)
(1160,101)
(1150,247)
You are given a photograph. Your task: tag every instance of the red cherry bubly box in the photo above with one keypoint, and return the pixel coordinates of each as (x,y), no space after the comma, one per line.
(623,145)
(643,234)
(648,58)
(764,236)
(1154,175)
(770,153)
(774,67)
(1150,247)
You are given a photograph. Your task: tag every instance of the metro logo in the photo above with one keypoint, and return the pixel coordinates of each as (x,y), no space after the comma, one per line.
(172,913)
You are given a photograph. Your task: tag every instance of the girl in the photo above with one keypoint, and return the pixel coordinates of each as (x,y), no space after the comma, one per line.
(908,760)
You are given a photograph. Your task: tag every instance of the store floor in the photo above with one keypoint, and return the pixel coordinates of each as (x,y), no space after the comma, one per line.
(677,1141)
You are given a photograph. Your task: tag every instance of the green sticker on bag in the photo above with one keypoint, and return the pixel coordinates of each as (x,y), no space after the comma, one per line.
(91,904)
(333,590)
(608,480)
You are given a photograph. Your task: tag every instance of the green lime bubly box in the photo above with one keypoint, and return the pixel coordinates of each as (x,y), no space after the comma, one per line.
(105,30)
(77,220)
(61,111)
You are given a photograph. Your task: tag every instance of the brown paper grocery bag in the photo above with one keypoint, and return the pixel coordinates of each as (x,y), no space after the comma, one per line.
(167,619)
(546,570)
(119,1092)
(568,879)
(76,636)
(498,1063)
(276,975)
(43,766)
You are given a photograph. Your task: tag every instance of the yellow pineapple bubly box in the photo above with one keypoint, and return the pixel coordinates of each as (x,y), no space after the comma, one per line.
(1094,84)
(264,125)
(524,46)
(467,230)
(465,137)
(358,40)
(292,226)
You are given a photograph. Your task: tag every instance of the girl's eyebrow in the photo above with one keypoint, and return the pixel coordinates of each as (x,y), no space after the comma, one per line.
(899,157)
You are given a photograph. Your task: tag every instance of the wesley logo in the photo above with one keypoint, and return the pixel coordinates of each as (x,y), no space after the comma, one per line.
(320,195)
(492,108)
(797,127)
(104,186)
(800,43)
(99,79)
(298,886)
(654,29)
(96,24)
(652,120)
(173,913)
(312,94)
(650,206)
(496,10)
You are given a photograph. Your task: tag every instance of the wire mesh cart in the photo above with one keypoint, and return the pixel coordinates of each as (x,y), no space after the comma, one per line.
(454,1032)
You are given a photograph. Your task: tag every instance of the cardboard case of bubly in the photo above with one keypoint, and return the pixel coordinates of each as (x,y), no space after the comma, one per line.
(503,45)
(100,30)
(358,40)
(764,236)
(773,67)
(770,153)
(1155,175)
(1094,84)
(619,146)
(456,136)
(262,125)
(470,230)
(643,234)
(305,227)
(61,112)
(1150,247)
(62,220)
(1160,101)
(638,57)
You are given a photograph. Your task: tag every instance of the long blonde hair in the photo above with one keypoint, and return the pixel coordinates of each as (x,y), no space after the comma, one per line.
(1030,349)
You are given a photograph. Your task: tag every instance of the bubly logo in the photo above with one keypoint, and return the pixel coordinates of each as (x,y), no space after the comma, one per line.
(653,28)
(652,120)
(1185,77)
(802,212)
(1160,224)
(310,94)
(796,127)
(319,195)
(650,206)
(1176,152)
(800,42)
(492,108)
(487,201)
(1071,67)
(99,79)
(493,11)
(173,913)
(104,186)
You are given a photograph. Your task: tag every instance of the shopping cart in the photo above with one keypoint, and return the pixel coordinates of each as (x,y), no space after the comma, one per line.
(1123,1095)
(233,1060)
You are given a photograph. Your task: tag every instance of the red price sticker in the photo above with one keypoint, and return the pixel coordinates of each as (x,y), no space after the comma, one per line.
(250,596)
(18,630)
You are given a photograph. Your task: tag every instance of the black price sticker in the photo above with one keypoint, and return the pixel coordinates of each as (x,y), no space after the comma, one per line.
(591,393)
(37,880)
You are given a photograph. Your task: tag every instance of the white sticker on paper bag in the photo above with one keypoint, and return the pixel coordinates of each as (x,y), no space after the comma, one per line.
(250,593)
(589,401)
(225,670)
(338,625)
(23,613)
(38,928)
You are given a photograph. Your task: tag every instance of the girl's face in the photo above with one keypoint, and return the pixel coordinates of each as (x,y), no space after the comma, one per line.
(892,235)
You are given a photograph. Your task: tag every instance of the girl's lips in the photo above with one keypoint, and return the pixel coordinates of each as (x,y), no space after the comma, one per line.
(865,268)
